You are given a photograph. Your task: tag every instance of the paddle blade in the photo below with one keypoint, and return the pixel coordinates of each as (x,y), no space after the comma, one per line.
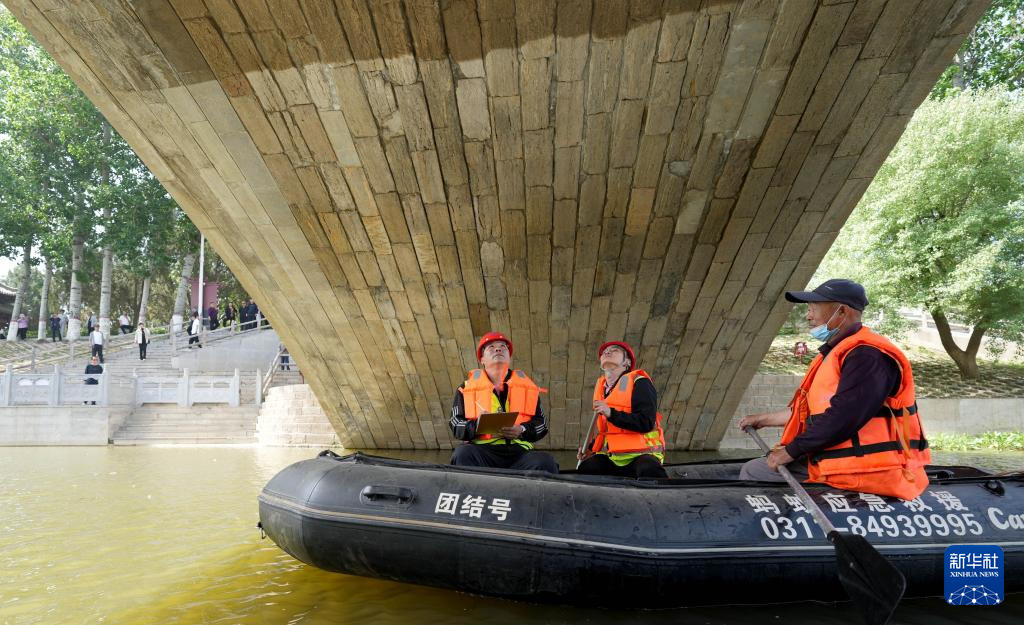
(874,585)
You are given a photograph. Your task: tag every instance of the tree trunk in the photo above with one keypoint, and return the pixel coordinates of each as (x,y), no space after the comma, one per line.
(105,285)
(44,304)
(144,302)
(19,300)
(966,359)
(958,77)
(179,298)
(75,295)
(108,250)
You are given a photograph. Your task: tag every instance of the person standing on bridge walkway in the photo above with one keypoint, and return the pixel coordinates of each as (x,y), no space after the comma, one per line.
(853,423)
(496,387)
(627,439)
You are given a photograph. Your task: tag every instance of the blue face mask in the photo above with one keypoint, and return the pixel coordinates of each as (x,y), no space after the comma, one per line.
(823,333)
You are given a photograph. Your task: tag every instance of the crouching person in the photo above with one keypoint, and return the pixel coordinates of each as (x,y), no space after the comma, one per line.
(496,387)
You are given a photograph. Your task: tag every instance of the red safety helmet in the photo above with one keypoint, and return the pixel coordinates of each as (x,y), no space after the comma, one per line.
(491,337)
(625,347)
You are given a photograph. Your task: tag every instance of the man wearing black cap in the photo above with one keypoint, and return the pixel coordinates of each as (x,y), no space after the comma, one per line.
(496,387)
(853,422)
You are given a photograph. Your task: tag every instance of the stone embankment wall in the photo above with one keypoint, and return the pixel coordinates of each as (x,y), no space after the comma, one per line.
(59,425)
(292,416)
(765,394)
(950,416)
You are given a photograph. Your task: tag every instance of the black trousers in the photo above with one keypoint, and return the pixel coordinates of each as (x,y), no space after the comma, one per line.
(194,339)
(97,350)
(642,466)
(23,333)
(500,456)
(55,334)
(142,351)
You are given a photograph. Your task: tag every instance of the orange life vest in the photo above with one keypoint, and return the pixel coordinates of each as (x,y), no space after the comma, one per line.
(479,397)
(613,440)
(888,454)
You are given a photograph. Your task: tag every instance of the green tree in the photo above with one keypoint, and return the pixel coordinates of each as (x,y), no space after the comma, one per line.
(31,304)
(55,135)
(991,56)
(74,192)
(149,232)
(942,225)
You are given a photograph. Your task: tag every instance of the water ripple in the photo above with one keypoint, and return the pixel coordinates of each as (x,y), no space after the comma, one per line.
(168,535)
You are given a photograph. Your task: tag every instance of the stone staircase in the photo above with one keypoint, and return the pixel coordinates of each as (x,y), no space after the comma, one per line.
(126,363)
(291,416)
(156,424)
(288,377)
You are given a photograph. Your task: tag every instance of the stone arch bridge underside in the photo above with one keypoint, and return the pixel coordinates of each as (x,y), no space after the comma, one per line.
(390,179)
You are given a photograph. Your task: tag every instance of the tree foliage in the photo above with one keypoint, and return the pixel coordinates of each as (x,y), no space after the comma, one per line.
(48,139)
(58,171)
(991,56)
(942,225)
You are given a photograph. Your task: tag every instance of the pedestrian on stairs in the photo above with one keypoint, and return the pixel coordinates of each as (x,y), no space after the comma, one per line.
(229,316)
(141,339)
(194,329)
(96,339)
(55,334)
(94,368)
(211,314)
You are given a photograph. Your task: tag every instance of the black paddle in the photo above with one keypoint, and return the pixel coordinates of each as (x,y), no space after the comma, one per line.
(872,582)
(581,453)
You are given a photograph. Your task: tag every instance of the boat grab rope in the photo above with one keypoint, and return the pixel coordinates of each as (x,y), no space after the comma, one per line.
(369,519)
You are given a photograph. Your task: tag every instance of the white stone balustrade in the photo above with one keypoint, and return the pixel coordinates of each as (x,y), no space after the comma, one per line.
(189,389)
(59,388)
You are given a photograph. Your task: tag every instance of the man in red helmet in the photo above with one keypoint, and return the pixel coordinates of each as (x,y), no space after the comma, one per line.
(496,387)
(628,440)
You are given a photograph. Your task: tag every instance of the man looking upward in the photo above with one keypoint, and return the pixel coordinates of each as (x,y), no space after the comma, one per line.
(496,387)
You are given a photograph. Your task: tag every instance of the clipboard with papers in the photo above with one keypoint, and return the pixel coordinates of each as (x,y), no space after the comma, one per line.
(492,422)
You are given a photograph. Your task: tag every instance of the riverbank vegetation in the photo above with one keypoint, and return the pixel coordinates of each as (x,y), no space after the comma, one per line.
(935,375)
(92,227)
(994,441)
(941,227)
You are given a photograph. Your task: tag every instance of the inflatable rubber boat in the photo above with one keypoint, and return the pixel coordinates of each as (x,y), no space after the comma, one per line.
(701,537)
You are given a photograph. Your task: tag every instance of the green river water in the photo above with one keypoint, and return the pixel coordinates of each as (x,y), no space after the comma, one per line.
(140,535)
